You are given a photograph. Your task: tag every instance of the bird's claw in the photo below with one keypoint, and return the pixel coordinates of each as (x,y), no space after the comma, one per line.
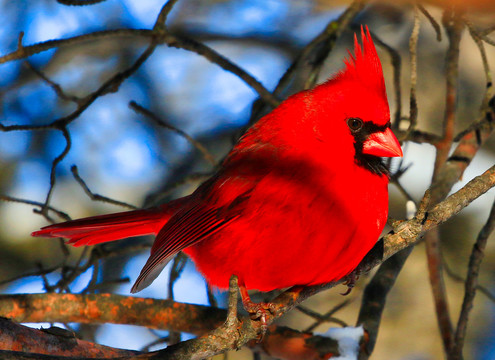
(350,282)
(259,311)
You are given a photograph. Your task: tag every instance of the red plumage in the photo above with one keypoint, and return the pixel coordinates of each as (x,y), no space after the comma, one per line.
(299,200)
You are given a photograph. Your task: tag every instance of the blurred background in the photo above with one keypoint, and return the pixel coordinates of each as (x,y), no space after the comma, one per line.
(123,155)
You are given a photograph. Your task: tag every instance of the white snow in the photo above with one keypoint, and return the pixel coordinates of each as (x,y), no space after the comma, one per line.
(348,339)
(410,209)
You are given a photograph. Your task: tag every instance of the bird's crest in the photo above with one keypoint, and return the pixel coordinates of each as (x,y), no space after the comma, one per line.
(364,65)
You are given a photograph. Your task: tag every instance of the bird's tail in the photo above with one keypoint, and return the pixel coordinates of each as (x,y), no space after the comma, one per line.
(110,227)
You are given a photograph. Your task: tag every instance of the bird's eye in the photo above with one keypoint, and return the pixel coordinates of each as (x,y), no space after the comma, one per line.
(355,124)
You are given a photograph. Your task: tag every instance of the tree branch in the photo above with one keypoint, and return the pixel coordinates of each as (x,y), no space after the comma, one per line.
(52,341)
(471,284)
(157,314)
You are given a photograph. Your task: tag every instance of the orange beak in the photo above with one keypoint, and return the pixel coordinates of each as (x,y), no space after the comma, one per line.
(383,144)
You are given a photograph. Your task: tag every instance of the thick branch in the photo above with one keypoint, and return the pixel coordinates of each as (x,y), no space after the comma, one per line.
(107,308)
(52,341)
(158,314)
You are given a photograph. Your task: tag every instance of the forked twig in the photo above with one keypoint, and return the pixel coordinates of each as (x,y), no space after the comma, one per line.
(97,197)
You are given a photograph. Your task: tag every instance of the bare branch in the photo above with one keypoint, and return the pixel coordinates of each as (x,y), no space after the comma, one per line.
(477,38)
(55,87)
(203,150)
(60,213)
(52,341)
(56,161)
(161,20)
(164,314)
(39,272)
(177,267)
(326,40)
(208,53)
(23,52)
(471,284)
(109,308)
(460,279)
(97,197)
(327,317)
(413,53)
(431,19)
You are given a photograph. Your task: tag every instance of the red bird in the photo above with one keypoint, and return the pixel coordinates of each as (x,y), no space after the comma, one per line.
(299,200)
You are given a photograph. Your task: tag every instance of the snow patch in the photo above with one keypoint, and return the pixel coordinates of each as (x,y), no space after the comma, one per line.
(348,339)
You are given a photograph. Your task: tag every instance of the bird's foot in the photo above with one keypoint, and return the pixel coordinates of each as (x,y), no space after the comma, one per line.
(350,282)
(257,311)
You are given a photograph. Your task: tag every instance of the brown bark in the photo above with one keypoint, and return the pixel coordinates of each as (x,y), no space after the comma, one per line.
(52,341)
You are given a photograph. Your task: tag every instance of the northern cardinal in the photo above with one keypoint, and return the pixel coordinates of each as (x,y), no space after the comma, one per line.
(300,199)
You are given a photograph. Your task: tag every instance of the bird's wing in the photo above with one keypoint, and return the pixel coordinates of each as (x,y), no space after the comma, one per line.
(187,227)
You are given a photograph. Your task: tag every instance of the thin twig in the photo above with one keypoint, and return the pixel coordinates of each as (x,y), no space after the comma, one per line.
(460,279)
(328,316)
(56,161)
(149,114)
(486,66)
(97,197)
(413,53)
(161,20)
(55,87)
(471,284)
(488,30)
(182,42)
(39,272)
(60,213)
(178,266)
(326,40)
(109,86)
(487,39)
(431,19)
